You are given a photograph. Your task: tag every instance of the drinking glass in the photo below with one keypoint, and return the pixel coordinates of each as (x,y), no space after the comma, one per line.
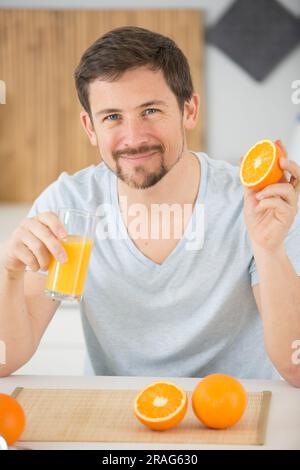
(65,281)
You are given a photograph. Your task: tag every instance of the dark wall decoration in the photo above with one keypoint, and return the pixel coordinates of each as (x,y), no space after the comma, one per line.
(256,34)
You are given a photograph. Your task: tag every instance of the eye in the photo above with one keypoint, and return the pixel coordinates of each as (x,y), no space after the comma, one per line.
(111,117)
(151,111)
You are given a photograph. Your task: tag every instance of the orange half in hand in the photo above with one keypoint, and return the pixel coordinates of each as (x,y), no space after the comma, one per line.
(260,166)
(161,405)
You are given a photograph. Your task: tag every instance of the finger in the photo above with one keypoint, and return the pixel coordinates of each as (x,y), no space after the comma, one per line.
(284,190)
(37,247)
(294,169)
(51,221)
(249,198)
(275,203)
(285,178)
(23,253)
(43,233)
(249,193)
(281,146)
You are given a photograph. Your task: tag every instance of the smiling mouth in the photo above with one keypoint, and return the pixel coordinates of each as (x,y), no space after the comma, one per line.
(139,157)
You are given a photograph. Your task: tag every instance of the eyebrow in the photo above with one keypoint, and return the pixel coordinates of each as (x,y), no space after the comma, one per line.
(144,105)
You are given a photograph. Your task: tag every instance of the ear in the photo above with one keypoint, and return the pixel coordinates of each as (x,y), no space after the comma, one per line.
(88,127)
(191,112)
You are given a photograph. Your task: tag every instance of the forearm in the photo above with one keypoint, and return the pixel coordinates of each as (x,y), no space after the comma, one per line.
(279,288)
(16,333)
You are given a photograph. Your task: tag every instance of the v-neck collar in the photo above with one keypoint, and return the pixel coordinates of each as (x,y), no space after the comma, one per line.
(181,243)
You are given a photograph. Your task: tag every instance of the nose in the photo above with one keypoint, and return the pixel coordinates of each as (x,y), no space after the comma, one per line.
(134,133)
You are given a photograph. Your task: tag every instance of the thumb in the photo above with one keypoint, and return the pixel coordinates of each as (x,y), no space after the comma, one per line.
(250,200)
(281,147)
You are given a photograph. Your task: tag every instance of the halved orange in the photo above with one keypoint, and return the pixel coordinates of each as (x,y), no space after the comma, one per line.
(161,405)
(260,166)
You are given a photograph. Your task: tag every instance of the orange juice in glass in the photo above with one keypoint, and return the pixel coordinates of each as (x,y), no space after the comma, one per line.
(66,281)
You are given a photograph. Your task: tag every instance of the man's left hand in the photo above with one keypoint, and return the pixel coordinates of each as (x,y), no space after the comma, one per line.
(270,213)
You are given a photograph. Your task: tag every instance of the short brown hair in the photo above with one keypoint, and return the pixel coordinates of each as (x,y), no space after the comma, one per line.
(130,47)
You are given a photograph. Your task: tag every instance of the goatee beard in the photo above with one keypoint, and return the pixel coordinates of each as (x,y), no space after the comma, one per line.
(149,179)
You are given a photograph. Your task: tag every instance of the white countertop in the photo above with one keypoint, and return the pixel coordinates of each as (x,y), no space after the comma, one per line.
(283,429)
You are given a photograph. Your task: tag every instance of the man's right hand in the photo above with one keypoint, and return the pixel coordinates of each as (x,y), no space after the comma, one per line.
(33,243)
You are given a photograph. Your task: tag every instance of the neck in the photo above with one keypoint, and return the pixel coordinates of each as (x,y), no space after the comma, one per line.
(179,185)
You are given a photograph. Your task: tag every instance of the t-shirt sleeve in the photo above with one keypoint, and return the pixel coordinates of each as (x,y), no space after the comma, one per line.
(47,201)
(292,246)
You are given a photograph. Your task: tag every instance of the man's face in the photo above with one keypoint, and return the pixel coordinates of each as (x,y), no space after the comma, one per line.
(137,125)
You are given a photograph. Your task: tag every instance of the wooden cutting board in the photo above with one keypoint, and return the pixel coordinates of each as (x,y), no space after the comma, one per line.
(73,415)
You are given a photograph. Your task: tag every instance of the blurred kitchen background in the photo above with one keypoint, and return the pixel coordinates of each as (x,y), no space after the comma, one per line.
(245,61)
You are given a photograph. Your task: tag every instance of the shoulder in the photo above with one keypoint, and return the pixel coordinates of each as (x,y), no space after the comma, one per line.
(220,171)
(84,182)
(92,174)
(221,178)
(84,189)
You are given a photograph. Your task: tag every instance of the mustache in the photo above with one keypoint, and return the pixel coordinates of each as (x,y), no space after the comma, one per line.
(135,151)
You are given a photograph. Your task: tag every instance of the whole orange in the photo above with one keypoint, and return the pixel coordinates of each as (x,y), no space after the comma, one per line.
(12,418)
(219,401)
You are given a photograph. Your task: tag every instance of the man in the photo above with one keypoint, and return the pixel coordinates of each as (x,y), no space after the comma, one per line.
(155,305)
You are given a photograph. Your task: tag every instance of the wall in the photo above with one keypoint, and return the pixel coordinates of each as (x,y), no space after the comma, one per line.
(39,51)
(239,110)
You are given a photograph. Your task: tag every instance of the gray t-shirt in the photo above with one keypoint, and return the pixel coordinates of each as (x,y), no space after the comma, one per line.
(192,315)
